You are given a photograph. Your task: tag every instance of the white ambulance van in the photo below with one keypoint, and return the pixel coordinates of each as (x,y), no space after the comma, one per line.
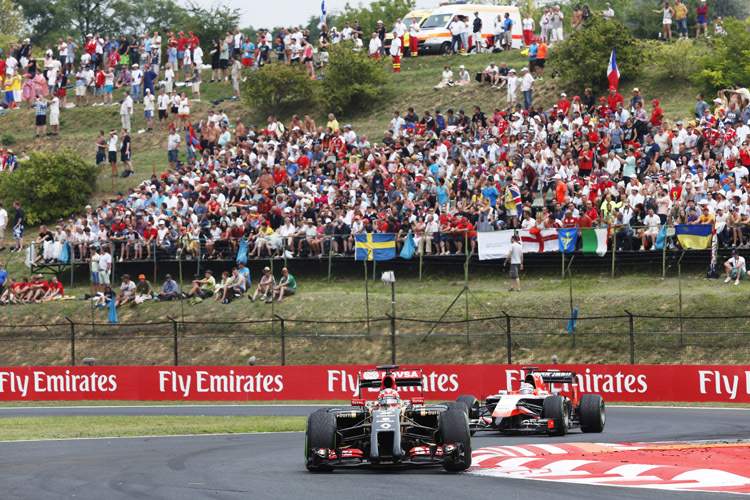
(435,35)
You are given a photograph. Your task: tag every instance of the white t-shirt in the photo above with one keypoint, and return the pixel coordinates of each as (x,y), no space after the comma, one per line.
(163,102)
(374,45)
(105,260)
(737,261)
(516,252)
(528,24)
(3,217)
(457,27)
(148,102)
(173,141)
(652,221)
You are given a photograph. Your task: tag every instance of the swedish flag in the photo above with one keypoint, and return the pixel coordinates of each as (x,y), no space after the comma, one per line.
(375,246)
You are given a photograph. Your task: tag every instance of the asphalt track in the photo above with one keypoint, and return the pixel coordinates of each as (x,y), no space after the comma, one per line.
(270,466)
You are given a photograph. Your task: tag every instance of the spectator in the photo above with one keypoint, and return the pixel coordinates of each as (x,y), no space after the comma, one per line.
(515,256)
(735,267)
(202,288)
(667,14)
(169,290)
(680,16)
(265,288)
(702,20)
(19,219)
(143,291)
(126,111)
(447,79)
(527,88)
(127,291)
(3,225)
(608,13)
(287,285)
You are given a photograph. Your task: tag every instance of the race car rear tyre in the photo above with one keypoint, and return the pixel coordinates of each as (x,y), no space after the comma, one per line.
(555,409)
(454,429)
(471,403)
(320,433)
(592,413)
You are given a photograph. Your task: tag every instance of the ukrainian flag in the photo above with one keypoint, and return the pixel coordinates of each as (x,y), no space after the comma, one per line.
(375,246)
(694,236)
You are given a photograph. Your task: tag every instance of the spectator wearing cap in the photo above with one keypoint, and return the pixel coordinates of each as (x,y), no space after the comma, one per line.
(735,267)
(143,291)
(265,288)
(657,116)
(464,77)
(169,290)
(127,291)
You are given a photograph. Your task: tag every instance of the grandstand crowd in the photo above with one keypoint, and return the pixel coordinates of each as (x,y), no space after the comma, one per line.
(305,189)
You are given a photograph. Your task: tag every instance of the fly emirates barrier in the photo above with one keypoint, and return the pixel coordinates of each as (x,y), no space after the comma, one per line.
(629,383)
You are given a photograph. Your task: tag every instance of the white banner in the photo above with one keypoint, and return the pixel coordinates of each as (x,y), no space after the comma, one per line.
(494,244)
(539,240)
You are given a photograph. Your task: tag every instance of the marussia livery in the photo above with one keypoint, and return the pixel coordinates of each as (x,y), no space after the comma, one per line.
(546,402)
(389,431)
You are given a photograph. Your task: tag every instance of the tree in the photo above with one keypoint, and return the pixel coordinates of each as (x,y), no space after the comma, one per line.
(353,81)
(727,64)
(582,59)
(276,87)
(50,185)
(210,23)
(14,24)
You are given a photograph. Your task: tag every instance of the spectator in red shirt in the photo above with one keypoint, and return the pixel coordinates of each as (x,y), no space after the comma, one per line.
(585,160)
(182,45)
(657,115)
(564,104)
(676,192)
(54,291)
(614,99)
(569,220)
(150,235)
(702,12)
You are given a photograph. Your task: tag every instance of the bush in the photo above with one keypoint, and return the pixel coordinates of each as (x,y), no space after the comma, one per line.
(353,81)
(276,87)
(50,185)
(726,64)
(582,59)
(680,59)
(8,139)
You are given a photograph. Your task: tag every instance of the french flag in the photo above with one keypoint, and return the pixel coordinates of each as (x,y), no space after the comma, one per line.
(613,74)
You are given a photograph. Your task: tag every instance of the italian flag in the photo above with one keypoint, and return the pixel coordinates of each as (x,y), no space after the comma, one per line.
(595,241)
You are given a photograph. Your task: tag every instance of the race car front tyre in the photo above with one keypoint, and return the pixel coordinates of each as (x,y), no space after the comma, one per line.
(592,413)
(555,409)
(471,403)
(454,430)
(321,433)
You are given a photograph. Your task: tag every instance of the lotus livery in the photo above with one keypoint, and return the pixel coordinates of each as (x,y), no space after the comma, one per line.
(389,431)
(546,402)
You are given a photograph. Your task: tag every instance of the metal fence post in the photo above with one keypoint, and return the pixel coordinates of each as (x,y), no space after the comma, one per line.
(283,341)
(508,337)
(72,341)
(175,345)
(632,336)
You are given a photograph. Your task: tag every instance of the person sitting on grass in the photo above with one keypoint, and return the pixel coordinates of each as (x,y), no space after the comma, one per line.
(735,268)
(202,288)
(265,287)
(234,287)
(221,287)
(102,299)
(127,291)
(169,290)
(54,291)
(143,291)
(287,285)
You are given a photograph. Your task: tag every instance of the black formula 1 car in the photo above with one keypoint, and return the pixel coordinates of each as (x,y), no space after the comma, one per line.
(389,431)
(546,402)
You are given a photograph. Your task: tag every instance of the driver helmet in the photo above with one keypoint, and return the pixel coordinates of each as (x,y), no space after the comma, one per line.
(526,388)
(389,397)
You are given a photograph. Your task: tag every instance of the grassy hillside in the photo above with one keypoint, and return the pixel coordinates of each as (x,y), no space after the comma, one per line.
(412,87)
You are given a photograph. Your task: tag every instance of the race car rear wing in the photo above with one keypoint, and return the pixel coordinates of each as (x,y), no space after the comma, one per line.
(389,376)
(555,377)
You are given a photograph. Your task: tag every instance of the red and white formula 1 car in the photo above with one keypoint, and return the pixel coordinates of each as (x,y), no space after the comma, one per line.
(546,402)
(389,430)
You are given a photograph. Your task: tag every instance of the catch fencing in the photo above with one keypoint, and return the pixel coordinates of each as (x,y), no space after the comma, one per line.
(625,338)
